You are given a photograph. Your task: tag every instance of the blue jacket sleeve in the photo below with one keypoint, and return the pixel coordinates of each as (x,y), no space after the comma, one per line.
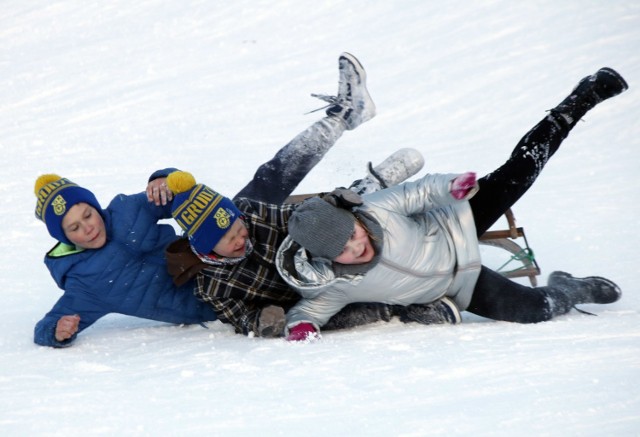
(162,173)
(45,330)
(45,334)
(137,211)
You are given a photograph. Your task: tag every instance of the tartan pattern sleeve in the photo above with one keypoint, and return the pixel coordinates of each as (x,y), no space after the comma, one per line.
(235,312)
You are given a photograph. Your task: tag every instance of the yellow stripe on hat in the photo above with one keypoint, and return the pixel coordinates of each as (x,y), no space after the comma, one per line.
(48,193)
(205,214)
(196,208)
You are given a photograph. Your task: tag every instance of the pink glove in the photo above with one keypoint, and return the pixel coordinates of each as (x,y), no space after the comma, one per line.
(302,332)
(463,185)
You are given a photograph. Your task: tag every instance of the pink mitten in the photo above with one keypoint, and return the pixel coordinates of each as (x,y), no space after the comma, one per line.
(302,332)
(463,185)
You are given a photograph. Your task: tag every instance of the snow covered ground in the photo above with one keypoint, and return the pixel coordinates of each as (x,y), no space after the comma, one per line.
(106,92)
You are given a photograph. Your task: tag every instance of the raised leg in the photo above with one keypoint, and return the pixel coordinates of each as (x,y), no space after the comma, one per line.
(500,189)
(275,180)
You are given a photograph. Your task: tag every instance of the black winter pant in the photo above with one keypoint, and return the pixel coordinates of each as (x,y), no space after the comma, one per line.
(495,296)
(276,179)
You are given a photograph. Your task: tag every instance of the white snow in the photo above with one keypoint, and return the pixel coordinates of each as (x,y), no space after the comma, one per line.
(106,92)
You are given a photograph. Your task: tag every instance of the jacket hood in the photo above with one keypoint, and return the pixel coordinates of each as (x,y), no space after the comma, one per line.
(299,270)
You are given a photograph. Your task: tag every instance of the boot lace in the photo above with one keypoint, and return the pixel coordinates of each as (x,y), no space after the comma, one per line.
(375,175)
(331,101)
(583,311)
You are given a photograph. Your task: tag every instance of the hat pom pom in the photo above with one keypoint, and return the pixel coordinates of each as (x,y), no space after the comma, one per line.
(44,180)
(180,181)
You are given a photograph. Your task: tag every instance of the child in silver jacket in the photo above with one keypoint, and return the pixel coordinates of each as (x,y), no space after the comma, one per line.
(418,242)
(423,247)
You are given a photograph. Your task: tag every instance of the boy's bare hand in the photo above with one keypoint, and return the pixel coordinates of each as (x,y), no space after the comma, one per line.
(158,192)
(67,326)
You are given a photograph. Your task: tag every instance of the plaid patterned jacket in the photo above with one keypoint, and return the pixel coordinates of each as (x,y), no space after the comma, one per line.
(239,291)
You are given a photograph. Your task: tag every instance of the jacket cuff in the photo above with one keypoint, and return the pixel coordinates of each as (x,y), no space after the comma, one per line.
(161,173)
(47,337)
(292,325)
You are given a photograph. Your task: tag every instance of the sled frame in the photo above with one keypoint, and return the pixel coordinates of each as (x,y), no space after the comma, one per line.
(520,250)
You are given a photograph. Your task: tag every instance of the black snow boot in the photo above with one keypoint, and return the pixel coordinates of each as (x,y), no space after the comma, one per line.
(440,312)
(357,314)
(565,291)
(590,91)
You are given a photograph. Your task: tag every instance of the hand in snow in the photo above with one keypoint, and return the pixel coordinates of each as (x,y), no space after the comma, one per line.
(271,321)
(66,327)
(303,332)
(464,186)
(158,192)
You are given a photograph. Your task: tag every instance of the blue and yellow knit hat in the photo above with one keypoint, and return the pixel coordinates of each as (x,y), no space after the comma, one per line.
(202,213)
(56,195)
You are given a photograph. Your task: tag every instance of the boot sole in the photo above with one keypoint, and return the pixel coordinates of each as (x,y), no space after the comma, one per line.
(453,308)
(617,76)
(399,166)
(362,74)
(356,65)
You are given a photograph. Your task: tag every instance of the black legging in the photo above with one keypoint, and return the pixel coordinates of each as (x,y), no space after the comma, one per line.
(501,189)
(495,296)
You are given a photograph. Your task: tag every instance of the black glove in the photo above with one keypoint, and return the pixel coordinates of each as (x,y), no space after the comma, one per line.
(342,198)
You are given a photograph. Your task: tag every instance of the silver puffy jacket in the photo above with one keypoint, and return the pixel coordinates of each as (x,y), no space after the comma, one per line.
(430,250)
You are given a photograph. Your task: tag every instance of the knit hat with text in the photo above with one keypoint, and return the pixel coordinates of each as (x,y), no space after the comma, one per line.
(56,195)
(202,213)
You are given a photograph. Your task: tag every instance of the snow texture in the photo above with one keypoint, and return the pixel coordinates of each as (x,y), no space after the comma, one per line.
(106,92)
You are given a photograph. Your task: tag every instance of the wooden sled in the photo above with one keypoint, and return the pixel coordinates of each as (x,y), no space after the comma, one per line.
(521,253)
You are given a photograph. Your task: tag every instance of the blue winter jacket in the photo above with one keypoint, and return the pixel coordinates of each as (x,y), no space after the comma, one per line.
(128,275)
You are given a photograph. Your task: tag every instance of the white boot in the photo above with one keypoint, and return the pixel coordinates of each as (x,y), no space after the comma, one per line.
(397,168)
(353,104)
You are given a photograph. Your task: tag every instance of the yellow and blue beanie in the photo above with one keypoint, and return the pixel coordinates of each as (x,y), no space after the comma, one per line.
(202,213)
(56,195)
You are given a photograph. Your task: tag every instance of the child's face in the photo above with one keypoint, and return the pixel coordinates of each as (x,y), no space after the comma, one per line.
(84,227)
(232,244)
(358,249)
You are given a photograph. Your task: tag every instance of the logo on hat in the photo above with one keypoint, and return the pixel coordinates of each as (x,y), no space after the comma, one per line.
(223,218)
(59,205)
(51,205)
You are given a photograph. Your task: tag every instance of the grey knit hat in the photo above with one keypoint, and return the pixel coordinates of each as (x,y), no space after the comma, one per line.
(321,228)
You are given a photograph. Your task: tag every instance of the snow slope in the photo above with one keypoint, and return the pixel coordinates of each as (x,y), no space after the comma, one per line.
(106,92)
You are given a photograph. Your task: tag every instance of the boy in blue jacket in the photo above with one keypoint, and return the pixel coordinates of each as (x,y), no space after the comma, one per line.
(108,261)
